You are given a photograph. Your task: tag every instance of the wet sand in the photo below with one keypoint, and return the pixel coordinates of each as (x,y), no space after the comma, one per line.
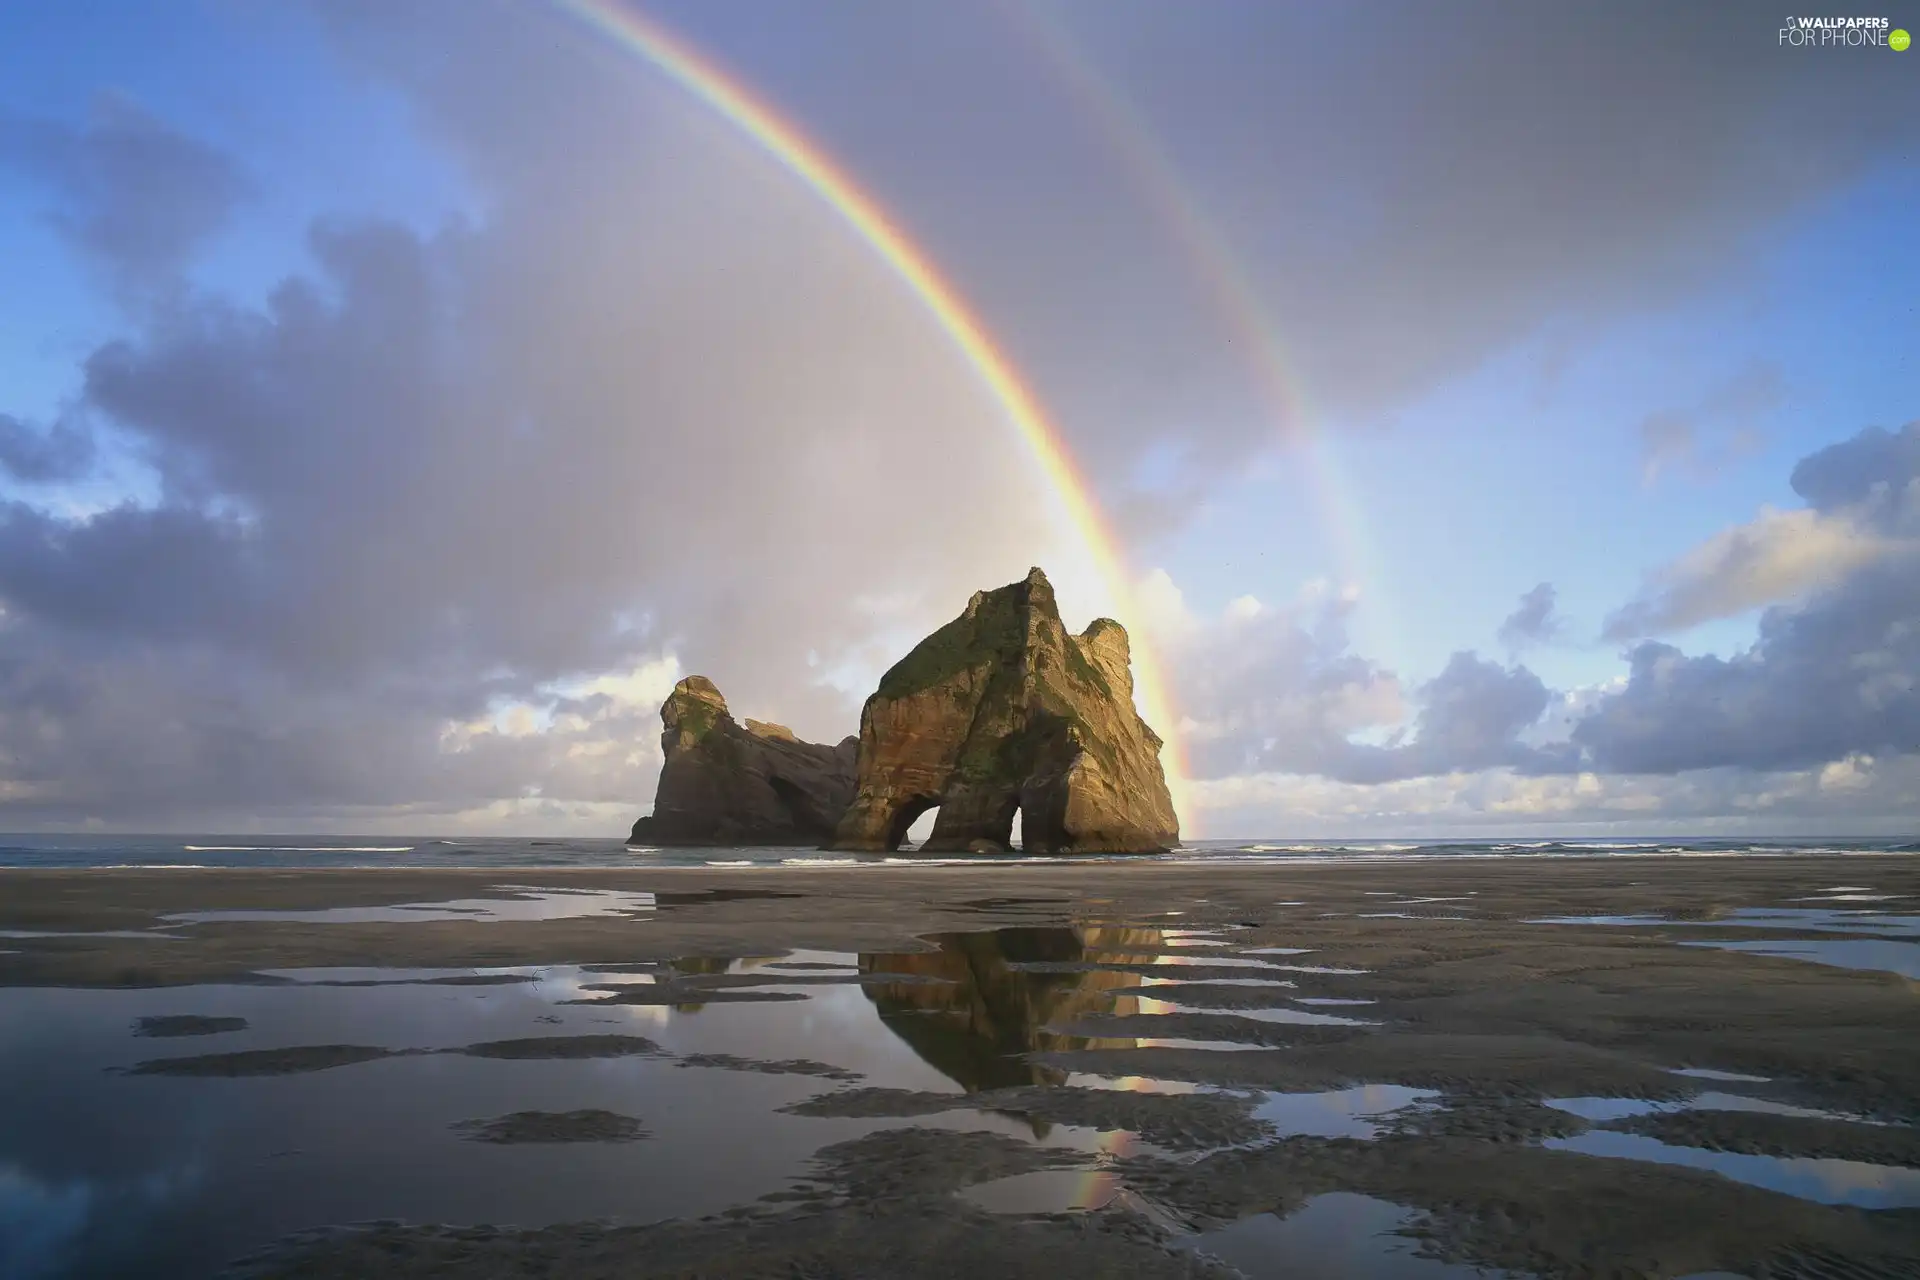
(1493,1017)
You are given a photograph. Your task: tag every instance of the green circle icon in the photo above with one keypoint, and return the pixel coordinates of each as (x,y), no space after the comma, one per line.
(1899,39)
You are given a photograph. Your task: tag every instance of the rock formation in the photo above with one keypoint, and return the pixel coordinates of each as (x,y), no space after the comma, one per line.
(724,784)
(1003,710)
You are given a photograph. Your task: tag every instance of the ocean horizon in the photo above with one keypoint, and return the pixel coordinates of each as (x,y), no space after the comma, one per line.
(215,850)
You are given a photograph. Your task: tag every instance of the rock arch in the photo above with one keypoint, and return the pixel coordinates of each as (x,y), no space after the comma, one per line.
(1004,710)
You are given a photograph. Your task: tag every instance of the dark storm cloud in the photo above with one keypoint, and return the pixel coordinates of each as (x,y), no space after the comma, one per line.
(1534,620)
(1834,675)
(131,193)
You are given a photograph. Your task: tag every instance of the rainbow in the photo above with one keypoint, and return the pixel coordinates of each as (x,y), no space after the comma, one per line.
(781,139)
(1226,281)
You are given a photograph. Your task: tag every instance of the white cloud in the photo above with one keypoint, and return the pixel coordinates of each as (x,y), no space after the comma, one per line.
(1778,556)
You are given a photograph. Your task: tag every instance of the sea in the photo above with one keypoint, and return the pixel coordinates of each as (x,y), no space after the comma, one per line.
(187,851)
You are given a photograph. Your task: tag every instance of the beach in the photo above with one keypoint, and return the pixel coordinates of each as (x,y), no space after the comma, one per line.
(1650,1065)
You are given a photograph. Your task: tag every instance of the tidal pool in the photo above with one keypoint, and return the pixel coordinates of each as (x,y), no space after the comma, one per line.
(159,1132)
(1337,1234)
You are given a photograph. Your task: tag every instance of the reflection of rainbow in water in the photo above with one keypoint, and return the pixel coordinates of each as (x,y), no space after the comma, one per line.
(780,138)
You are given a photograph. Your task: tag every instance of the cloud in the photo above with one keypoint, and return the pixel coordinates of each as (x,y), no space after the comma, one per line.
(33,456)
(1465,186)
(1780,555)
(1266,690)
(418,533)
(1858,795)
(132,194)
(1721,428)
(654,402)
(1534,620)
(1834,675)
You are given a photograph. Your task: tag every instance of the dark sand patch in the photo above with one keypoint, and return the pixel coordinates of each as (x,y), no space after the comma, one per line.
(1182,1122)
(186,1024)
(554,1126)
(562,1047)
(678,993)
(1534,1067)
(1528,1209)
(449,980)
(1484,1119)
(878,1207)
(760,978)
(1206,1026)
(769,1067)
(895,1165)
(940,1241)
(265,1062)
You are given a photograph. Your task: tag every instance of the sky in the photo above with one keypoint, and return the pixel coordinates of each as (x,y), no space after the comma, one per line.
(1507,418)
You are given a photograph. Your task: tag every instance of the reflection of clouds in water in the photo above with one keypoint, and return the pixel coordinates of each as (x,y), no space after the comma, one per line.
(44,1225)
(38,1222)
(527,904)
(1868,1186)
(1902,958)
(1337,1113)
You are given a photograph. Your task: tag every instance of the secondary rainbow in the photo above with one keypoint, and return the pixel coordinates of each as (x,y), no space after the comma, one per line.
(708,82)
(1219,271)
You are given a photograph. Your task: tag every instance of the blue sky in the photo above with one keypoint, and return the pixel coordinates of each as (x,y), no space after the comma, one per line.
(1562,306)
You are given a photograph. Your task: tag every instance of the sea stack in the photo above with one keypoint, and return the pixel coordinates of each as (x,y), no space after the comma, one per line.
(723,783)
(1004,710)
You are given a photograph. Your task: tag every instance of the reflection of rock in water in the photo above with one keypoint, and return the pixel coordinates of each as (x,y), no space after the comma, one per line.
(973,1026)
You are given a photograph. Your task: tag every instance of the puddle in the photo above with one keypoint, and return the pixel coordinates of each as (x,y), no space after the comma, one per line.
(1823,920)
(1340,1113)
(1132,1084)
(175,1170)
(1218,982)
(1199,1046)
(1329,1000)
(96,933)
(1865,1186)
(1402,915)
(1047,1191)
(1192,938)
(525,904)
(1894,953)
(1296,1017)
(1240,961)
(1902,958)
(1711,1073)
(1600,1110)
(1338,1234)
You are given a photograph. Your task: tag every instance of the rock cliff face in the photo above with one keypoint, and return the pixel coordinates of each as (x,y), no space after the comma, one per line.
(1003,710)
(725,784)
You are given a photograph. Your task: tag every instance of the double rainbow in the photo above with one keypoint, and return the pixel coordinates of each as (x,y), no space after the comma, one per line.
(782,140)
